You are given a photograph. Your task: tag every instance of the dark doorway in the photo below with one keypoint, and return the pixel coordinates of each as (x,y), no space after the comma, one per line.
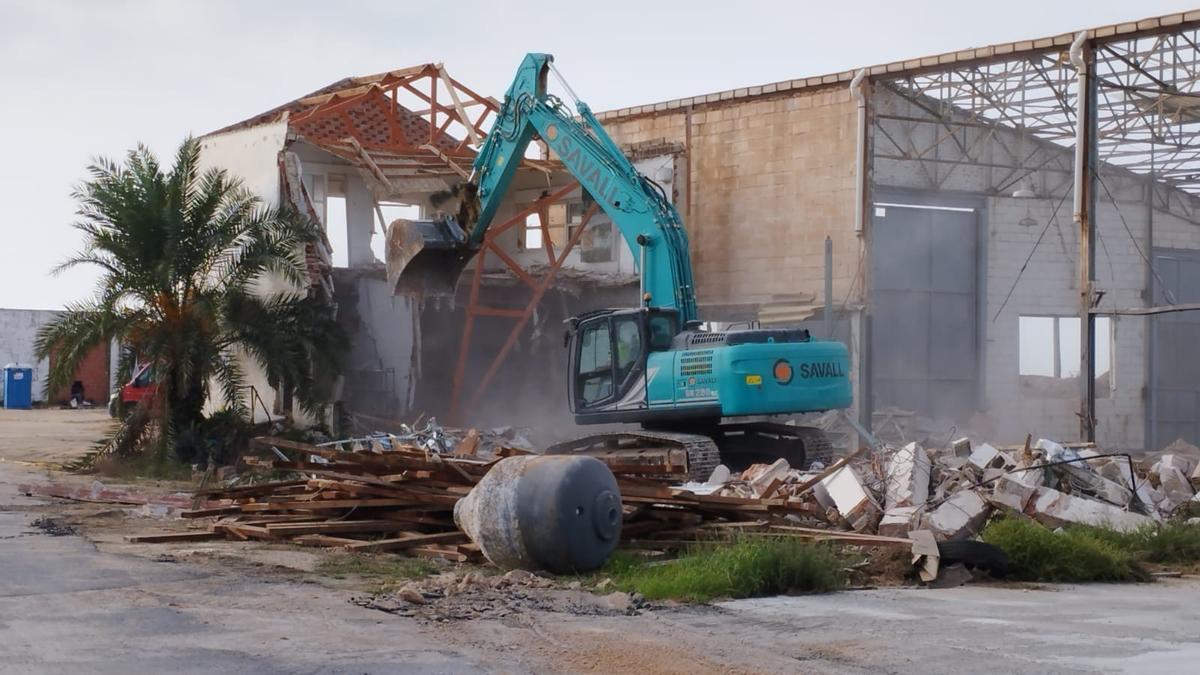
(1175,394)
(924,310)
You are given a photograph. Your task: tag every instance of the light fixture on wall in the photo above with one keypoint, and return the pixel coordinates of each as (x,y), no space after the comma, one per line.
(1025,191)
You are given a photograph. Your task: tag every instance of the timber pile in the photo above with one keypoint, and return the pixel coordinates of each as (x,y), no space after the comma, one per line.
(401,499)
(376,499)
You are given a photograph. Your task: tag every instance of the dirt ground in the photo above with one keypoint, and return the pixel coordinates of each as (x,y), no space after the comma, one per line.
(50,437)
(76,596)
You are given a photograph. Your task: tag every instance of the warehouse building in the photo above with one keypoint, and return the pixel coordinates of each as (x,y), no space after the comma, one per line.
(999,220)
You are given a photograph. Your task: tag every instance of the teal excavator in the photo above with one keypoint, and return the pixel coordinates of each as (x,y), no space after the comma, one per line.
(706,393)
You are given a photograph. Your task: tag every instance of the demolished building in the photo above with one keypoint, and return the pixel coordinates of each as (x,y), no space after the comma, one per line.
(949,187)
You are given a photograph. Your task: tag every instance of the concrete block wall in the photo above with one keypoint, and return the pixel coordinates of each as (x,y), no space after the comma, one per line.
(768,179)
(1049,286)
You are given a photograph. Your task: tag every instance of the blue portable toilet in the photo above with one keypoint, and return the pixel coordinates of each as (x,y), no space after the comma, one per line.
(18,387)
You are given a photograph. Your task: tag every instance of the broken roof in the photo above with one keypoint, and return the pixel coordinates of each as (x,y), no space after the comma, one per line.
(408,130)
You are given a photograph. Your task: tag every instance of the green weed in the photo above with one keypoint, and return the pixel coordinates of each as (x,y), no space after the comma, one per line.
(738,569)
(1036,553)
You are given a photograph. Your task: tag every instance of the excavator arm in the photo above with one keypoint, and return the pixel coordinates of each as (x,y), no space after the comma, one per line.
(638,207)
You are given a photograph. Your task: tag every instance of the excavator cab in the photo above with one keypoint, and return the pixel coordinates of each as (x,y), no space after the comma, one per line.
(609,354)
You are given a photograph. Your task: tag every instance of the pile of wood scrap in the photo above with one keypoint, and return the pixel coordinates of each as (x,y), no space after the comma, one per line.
(381,495)
(377,498)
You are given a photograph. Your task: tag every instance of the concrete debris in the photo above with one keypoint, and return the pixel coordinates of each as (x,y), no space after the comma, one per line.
(907,477)
(1012,492)
(951,576)
(719,476)
(985,456)
(960,517)
(898,521)
(1055,509)
(843,490)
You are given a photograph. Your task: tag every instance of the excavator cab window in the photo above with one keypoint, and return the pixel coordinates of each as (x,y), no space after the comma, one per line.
(594,378)
(661,327)
(629,346)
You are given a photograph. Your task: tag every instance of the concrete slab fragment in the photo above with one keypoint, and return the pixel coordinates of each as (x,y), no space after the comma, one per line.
(1055,509)
(843,490)
(959,517)
(907,477)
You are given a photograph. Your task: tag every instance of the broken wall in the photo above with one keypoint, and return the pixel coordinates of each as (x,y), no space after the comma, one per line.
(252,155)
(767,179)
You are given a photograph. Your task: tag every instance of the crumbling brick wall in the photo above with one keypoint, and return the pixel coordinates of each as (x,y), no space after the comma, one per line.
(769,178)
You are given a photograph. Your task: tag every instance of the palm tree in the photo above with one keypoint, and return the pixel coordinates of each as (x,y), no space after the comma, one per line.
(182,253)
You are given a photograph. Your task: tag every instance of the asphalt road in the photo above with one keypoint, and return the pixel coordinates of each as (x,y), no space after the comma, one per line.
(66,607)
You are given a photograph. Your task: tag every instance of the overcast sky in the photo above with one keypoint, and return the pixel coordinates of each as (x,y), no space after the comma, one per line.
(89,78)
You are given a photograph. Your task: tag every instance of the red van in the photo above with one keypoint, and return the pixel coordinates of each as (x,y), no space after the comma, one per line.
(132,393)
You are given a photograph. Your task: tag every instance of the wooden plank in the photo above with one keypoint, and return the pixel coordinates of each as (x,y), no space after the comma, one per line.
(334,527)
(322,540)
(324,505)
(248,490)
(410,541)
(215,511)
(427,552)
(243,532)
(168,537)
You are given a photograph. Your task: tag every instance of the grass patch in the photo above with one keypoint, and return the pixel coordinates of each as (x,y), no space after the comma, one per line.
(1072,555)
(741,568)
(1170,542)
(377,567)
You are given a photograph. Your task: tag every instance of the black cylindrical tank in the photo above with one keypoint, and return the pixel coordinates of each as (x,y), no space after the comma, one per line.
(560,513)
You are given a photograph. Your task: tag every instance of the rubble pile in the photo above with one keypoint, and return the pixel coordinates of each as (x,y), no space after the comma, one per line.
(953,491)
(398,493)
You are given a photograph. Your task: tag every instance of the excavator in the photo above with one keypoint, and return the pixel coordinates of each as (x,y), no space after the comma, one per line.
(700,394)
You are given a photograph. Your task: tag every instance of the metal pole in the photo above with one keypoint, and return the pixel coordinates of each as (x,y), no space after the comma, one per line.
(828,288)
(1080,55)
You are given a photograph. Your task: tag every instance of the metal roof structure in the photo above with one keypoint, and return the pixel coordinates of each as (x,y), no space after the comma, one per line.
(1148,92)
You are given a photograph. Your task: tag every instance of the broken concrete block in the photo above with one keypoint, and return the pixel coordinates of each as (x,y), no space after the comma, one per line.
(959,517)
(907,477)
(898,521)
(925,553)
(961,447)
(983,456)
(762,479)
(1183,463)
(1055,509)
(1114,469)
(844,491)
(719,476)
(1012,493)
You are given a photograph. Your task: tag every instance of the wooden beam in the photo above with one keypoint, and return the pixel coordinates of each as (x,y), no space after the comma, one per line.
(411,541)
(167,537)
(458,106)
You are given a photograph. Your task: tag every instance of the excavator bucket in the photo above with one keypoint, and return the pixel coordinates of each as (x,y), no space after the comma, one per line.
(426,257)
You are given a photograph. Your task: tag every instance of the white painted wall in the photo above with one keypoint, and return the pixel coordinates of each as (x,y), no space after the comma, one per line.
(253,156)
(18,330)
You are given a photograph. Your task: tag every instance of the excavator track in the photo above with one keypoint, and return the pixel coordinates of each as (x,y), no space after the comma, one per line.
(738,445)
(702,452)
(768,441)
